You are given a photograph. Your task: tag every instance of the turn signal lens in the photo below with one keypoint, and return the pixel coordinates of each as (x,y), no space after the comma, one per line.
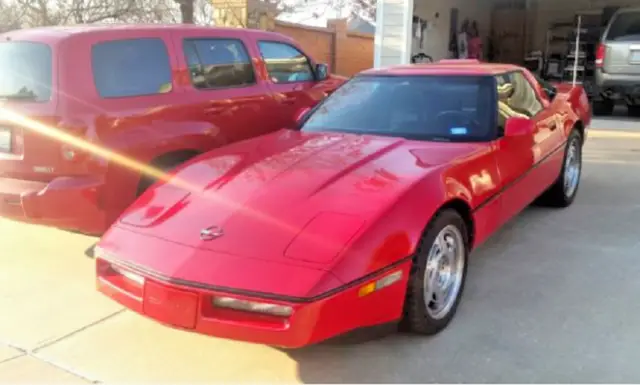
(383,282)
(254,307)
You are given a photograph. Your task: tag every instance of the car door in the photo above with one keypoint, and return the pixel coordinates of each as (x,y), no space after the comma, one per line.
(292,78)
(519,158)
(222,85)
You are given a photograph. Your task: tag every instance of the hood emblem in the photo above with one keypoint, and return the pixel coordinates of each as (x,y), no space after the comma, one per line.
(211,233)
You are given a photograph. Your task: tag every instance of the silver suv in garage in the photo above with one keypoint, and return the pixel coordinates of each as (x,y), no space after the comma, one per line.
(618,64)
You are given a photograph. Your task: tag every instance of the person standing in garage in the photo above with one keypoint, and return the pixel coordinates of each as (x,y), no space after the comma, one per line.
(474,45)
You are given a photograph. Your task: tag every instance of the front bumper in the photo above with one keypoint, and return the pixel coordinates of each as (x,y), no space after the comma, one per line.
(70,203)
(311,321)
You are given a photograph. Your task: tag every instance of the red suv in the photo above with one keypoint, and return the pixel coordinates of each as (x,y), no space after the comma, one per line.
(156,94)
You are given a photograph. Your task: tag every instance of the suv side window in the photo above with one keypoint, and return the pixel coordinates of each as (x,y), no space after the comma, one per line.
(218,63)
(133,67)
(626,25)
(285,63)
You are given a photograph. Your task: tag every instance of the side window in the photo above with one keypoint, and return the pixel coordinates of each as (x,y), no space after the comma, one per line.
(127,68)
(524,98)
(218,63)
(285,63)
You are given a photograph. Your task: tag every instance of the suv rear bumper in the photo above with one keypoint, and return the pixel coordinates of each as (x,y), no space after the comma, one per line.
(71,203)
(614,86)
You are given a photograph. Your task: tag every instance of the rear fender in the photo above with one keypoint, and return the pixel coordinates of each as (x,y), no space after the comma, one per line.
(578,108)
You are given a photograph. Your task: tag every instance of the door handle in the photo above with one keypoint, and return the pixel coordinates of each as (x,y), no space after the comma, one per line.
(289,100)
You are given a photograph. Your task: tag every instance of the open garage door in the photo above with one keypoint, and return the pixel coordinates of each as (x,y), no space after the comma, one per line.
(558,40)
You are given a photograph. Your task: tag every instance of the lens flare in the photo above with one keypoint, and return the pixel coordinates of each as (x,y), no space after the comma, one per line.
(132,164)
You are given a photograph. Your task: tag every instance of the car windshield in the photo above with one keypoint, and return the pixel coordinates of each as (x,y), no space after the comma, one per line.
(625,27)
(445,108)
(25,71)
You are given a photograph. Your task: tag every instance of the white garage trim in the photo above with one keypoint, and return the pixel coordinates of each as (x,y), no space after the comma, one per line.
(393,32)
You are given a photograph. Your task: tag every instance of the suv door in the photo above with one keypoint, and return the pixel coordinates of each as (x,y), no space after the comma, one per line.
(621,42)
(292,78)
(222,86)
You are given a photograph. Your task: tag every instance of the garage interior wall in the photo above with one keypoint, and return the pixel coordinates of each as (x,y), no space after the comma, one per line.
(394,41)
(436,42)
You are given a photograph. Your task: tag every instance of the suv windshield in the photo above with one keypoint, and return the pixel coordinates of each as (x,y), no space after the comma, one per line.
(625,26)
(450,108)
(25,71)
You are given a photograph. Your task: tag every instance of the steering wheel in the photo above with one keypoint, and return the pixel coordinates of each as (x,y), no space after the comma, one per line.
(421,58)
(446,120)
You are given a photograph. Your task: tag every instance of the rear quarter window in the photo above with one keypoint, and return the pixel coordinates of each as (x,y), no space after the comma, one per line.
(128,68)
(624,26)
(25,71)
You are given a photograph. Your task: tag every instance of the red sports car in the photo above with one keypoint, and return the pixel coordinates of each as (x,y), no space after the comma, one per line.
(363,214)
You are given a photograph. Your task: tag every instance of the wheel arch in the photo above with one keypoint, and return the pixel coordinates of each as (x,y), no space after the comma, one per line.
(464,210)
(163,161)
(173,157)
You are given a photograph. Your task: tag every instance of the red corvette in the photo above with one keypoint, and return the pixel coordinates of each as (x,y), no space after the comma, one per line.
(363,214)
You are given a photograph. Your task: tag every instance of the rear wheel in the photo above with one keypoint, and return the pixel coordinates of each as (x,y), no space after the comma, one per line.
(603,107)
(437,275)
(633,110)
(564,190)
(164,164)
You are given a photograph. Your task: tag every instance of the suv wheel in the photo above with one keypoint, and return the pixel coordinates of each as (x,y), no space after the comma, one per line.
(603,107)
(633,110)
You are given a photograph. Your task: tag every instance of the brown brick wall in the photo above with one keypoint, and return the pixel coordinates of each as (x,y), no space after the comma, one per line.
(346,53)
(355,53)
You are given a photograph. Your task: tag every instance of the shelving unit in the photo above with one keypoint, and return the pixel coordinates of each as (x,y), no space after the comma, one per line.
(581,58)
(556,50)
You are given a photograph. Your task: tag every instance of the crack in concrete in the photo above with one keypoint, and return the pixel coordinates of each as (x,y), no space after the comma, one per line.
(33,352)
(22,354)
(64,369)
(74,332)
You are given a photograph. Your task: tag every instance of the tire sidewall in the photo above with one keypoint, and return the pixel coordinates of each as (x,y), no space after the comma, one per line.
(574,136)
(421,318)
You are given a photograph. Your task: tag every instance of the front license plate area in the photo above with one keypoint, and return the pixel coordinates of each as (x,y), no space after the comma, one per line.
(5,139)
(171,306)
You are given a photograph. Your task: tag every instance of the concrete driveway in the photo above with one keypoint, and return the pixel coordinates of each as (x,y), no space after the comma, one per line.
(552,298)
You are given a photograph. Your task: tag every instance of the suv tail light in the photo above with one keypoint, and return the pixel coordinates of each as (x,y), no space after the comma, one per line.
(600,53)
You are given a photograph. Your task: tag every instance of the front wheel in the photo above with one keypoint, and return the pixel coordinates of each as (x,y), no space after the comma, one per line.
(564,190)
(437,275)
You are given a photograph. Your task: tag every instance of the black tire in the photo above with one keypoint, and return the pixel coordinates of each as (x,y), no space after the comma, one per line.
(633,110)
(165,165)
(557,195)
(603,107)
(417,316)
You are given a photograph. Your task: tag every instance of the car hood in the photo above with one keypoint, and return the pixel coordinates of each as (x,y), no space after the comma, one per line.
(286,197)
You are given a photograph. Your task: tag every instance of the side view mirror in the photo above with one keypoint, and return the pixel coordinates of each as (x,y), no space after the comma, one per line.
(322,71)
(551,93)
(518,127)
(301,115)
